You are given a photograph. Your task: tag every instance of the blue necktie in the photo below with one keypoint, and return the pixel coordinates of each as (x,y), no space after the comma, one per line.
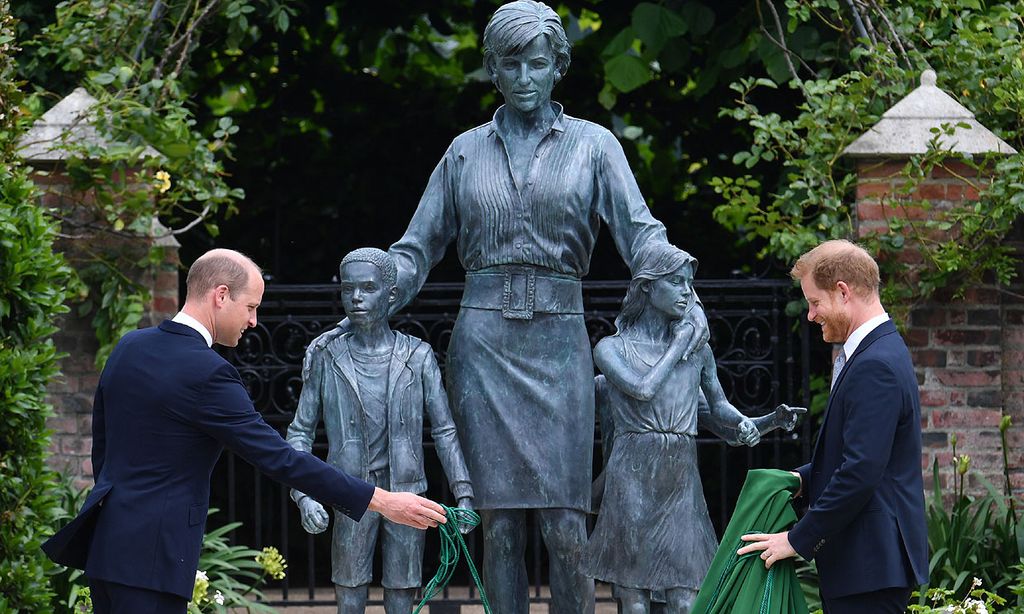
(837,368)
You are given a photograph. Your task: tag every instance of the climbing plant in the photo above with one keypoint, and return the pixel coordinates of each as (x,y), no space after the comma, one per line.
(976,48)
(154,170)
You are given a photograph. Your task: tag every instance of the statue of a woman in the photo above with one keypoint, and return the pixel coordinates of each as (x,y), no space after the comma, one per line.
(523,198)
(653,531)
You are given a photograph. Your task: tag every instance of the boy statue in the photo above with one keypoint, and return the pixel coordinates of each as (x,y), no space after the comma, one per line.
(371,386)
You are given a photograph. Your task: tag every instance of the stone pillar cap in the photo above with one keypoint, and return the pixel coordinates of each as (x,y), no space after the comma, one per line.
(906,128)
(67,123)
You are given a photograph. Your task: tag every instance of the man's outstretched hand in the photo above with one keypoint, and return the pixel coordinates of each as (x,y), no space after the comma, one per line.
(407,508)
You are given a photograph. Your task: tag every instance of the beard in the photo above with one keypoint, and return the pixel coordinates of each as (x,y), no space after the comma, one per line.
(834,327)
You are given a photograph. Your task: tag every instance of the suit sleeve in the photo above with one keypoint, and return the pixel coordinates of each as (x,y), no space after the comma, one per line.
(226,413)
(442,427)
(99,433)
(870,412)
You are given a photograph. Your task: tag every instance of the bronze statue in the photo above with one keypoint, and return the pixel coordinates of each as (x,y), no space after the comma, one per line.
(653,532)
(523,198)
(371,386)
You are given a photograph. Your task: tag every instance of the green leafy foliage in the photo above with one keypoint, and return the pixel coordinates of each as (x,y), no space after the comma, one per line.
(33,284)
(976,49)
(154,169)
(975,541)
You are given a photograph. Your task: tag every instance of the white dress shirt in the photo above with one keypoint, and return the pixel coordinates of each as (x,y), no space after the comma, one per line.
(183,318)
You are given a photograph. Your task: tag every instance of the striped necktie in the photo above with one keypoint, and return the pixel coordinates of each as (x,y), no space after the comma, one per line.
(837,368)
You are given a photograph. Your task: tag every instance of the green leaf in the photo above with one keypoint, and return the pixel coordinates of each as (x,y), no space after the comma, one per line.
(626,72)
(699,18)
(655,25)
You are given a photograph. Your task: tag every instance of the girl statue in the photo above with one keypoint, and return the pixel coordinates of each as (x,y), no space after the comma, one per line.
(653,532)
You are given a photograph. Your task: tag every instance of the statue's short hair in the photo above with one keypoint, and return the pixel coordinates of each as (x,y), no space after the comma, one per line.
(839,260)
(378,258)
(514,25)
(216,267)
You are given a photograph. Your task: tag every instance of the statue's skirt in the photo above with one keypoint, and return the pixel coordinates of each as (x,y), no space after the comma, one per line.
(653,530)
(522,396)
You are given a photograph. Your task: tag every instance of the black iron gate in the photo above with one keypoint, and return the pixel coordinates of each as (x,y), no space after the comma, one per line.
(762,355)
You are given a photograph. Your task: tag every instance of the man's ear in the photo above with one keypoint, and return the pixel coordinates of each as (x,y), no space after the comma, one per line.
(220,295)
(844,290)
(393,294)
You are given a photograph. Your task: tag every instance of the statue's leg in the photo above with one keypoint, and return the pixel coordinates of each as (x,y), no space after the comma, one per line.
(680,600)
(351,599)
(565,535)
(402,566)
(504,565)
(399,600)
(633,600)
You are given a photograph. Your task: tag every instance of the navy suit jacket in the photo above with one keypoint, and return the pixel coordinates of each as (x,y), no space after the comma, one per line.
(165,408)
(865,525)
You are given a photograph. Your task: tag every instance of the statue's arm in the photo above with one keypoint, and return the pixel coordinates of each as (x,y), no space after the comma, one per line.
(433,226)
(722,417)
(302,430)
(629,220)
(609,359)
(620,203)
(442,427)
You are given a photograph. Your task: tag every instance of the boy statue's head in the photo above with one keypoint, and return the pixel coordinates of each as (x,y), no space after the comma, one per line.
(368,285)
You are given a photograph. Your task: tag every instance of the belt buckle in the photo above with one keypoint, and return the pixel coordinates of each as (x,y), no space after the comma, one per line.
(517,299)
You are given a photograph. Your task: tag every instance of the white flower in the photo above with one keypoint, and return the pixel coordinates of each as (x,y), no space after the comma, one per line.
(976,582)
(201,575)
(218,598)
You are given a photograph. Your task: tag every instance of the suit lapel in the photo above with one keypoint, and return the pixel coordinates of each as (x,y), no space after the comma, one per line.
(882,330)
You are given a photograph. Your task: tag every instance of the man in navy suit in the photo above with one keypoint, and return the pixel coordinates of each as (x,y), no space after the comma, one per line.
(165,408)
(865,525)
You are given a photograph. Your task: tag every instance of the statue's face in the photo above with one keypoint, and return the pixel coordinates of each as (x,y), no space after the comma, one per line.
(673,294)
(363,294)
(526,78)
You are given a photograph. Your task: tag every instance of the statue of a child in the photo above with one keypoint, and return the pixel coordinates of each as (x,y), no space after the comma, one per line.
(371,386)
(653,532)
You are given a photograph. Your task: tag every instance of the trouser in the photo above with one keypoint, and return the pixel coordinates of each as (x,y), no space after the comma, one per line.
(885,601)
(114,598)
(504,565)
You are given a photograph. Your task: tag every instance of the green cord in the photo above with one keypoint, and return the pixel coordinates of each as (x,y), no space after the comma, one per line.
(451,544)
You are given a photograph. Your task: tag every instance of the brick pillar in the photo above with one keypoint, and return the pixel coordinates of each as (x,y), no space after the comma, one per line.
(71,393)
(967,350)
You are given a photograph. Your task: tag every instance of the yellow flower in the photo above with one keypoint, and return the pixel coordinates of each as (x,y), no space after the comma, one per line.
(272,562)
(201,587)
(163,179)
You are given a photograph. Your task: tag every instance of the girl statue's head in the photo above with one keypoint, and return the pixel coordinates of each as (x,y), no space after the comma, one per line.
(654,261)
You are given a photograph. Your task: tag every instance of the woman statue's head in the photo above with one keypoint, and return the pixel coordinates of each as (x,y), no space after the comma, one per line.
(513,29)
(655,261)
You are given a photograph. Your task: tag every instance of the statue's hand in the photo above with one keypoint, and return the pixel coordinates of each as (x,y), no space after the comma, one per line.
(749,435)
(465,503)
(701,333)
(314,516)
(786,417)
(320,342)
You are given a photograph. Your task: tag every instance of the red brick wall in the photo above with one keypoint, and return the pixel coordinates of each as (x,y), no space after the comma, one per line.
(71,393)
(967,350)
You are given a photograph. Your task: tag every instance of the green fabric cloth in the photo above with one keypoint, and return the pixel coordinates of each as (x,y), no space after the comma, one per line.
(742,584)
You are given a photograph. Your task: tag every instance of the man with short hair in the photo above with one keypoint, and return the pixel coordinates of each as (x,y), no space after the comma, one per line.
(165,408)
(865,525)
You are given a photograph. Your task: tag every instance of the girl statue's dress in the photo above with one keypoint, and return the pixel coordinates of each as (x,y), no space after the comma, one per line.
(653,531)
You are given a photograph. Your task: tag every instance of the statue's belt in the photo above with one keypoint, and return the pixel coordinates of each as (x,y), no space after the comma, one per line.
(521,291)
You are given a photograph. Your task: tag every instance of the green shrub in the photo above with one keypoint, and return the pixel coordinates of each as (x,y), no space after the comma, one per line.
(33,282)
